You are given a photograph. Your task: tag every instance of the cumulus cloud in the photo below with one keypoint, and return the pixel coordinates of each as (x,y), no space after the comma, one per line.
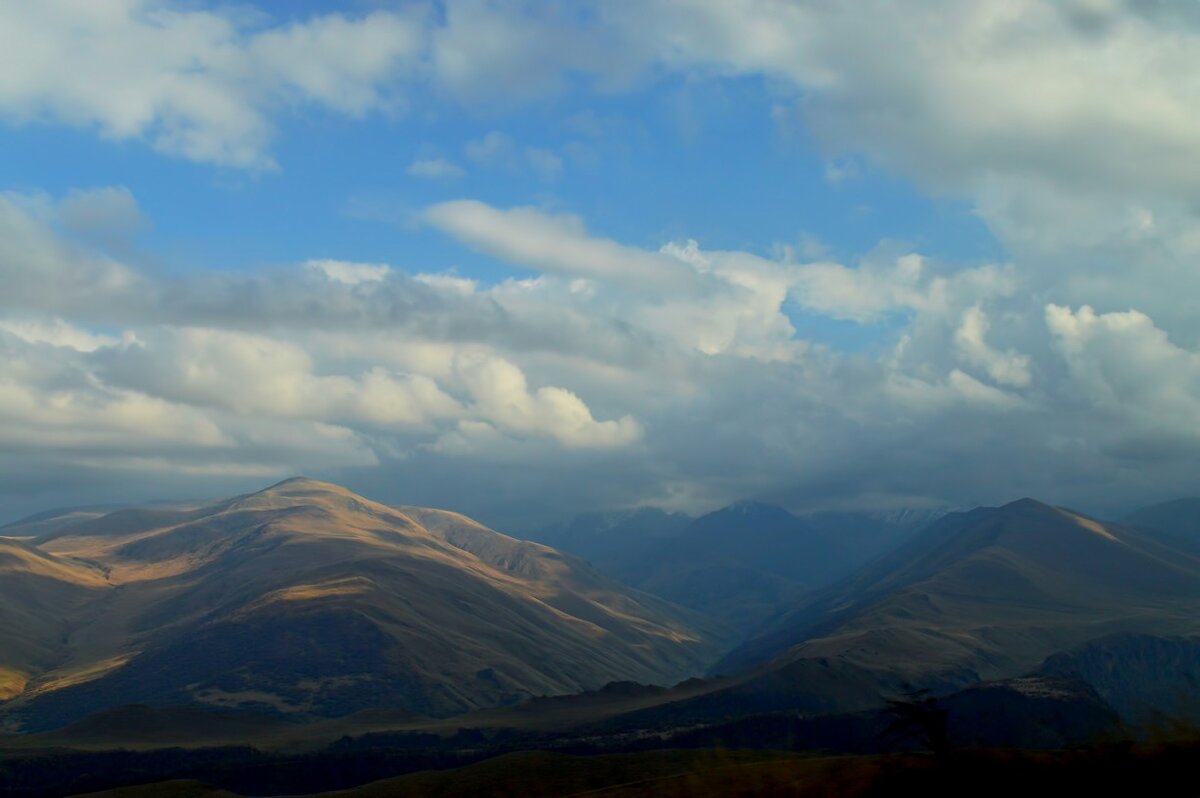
(195,83)
(1122,362)
(320,366)
(1005,368)
(680,365)
(502,397)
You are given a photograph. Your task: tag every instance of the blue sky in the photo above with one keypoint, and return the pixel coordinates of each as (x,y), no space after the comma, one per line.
(703,159)
(421,247)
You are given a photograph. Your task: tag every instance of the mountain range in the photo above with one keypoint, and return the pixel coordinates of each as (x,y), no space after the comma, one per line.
(740,564)
(306,615)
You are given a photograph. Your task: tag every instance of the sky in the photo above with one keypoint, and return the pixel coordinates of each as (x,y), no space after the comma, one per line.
(527,259)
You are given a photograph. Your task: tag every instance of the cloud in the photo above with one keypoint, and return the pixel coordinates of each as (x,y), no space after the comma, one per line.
(340,271)
(493,149)
(501,396)
(673,374)
(42,271)
(201,84)
(865,293)
(435,169)
(604,371)
(1123,363)
(528,237)
(109,216)
(56,332)
(545,163)
(497,52)
(1069,127)
(952,93)
(1006,368)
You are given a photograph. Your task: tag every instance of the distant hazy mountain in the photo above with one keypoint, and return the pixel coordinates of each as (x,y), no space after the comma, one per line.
(307,600)
(613,540)
(986,594)
(1178,522)
(39,523)
(741,564)
(868,534)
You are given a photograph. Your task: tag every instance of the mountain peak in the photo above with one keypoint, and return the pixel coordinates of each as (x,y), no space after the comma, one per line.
(295,488)
(302,483)
(1027,503)
(751,507)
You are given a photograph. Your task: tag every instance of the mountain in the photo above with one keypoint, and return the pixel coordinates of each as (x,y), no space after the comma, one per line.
(984,595)
(739,565)
(310,601)
(1175,522)
(41,598)
(614,540)
(1147,679)
(39,523)
(868,534)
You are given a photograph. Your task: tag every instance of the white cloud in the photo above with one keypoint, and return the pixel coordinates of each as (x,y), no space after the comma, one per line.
(198,84)
(862,294)
(557,244)
(349,273)
(435,169)
(493,149)
(1006,368)
(1123,363)
(501,396)
(953,92)
(675,372)
(56,332)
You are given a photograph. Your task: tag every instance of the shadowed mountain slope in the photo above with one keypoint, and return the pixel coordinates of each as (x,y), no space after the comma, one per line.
(1148,679)
(308,600)
(41,599)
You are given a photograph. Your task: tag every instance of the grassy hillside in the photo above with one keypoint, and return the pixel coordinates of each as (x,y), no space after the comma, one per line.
(306,600)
